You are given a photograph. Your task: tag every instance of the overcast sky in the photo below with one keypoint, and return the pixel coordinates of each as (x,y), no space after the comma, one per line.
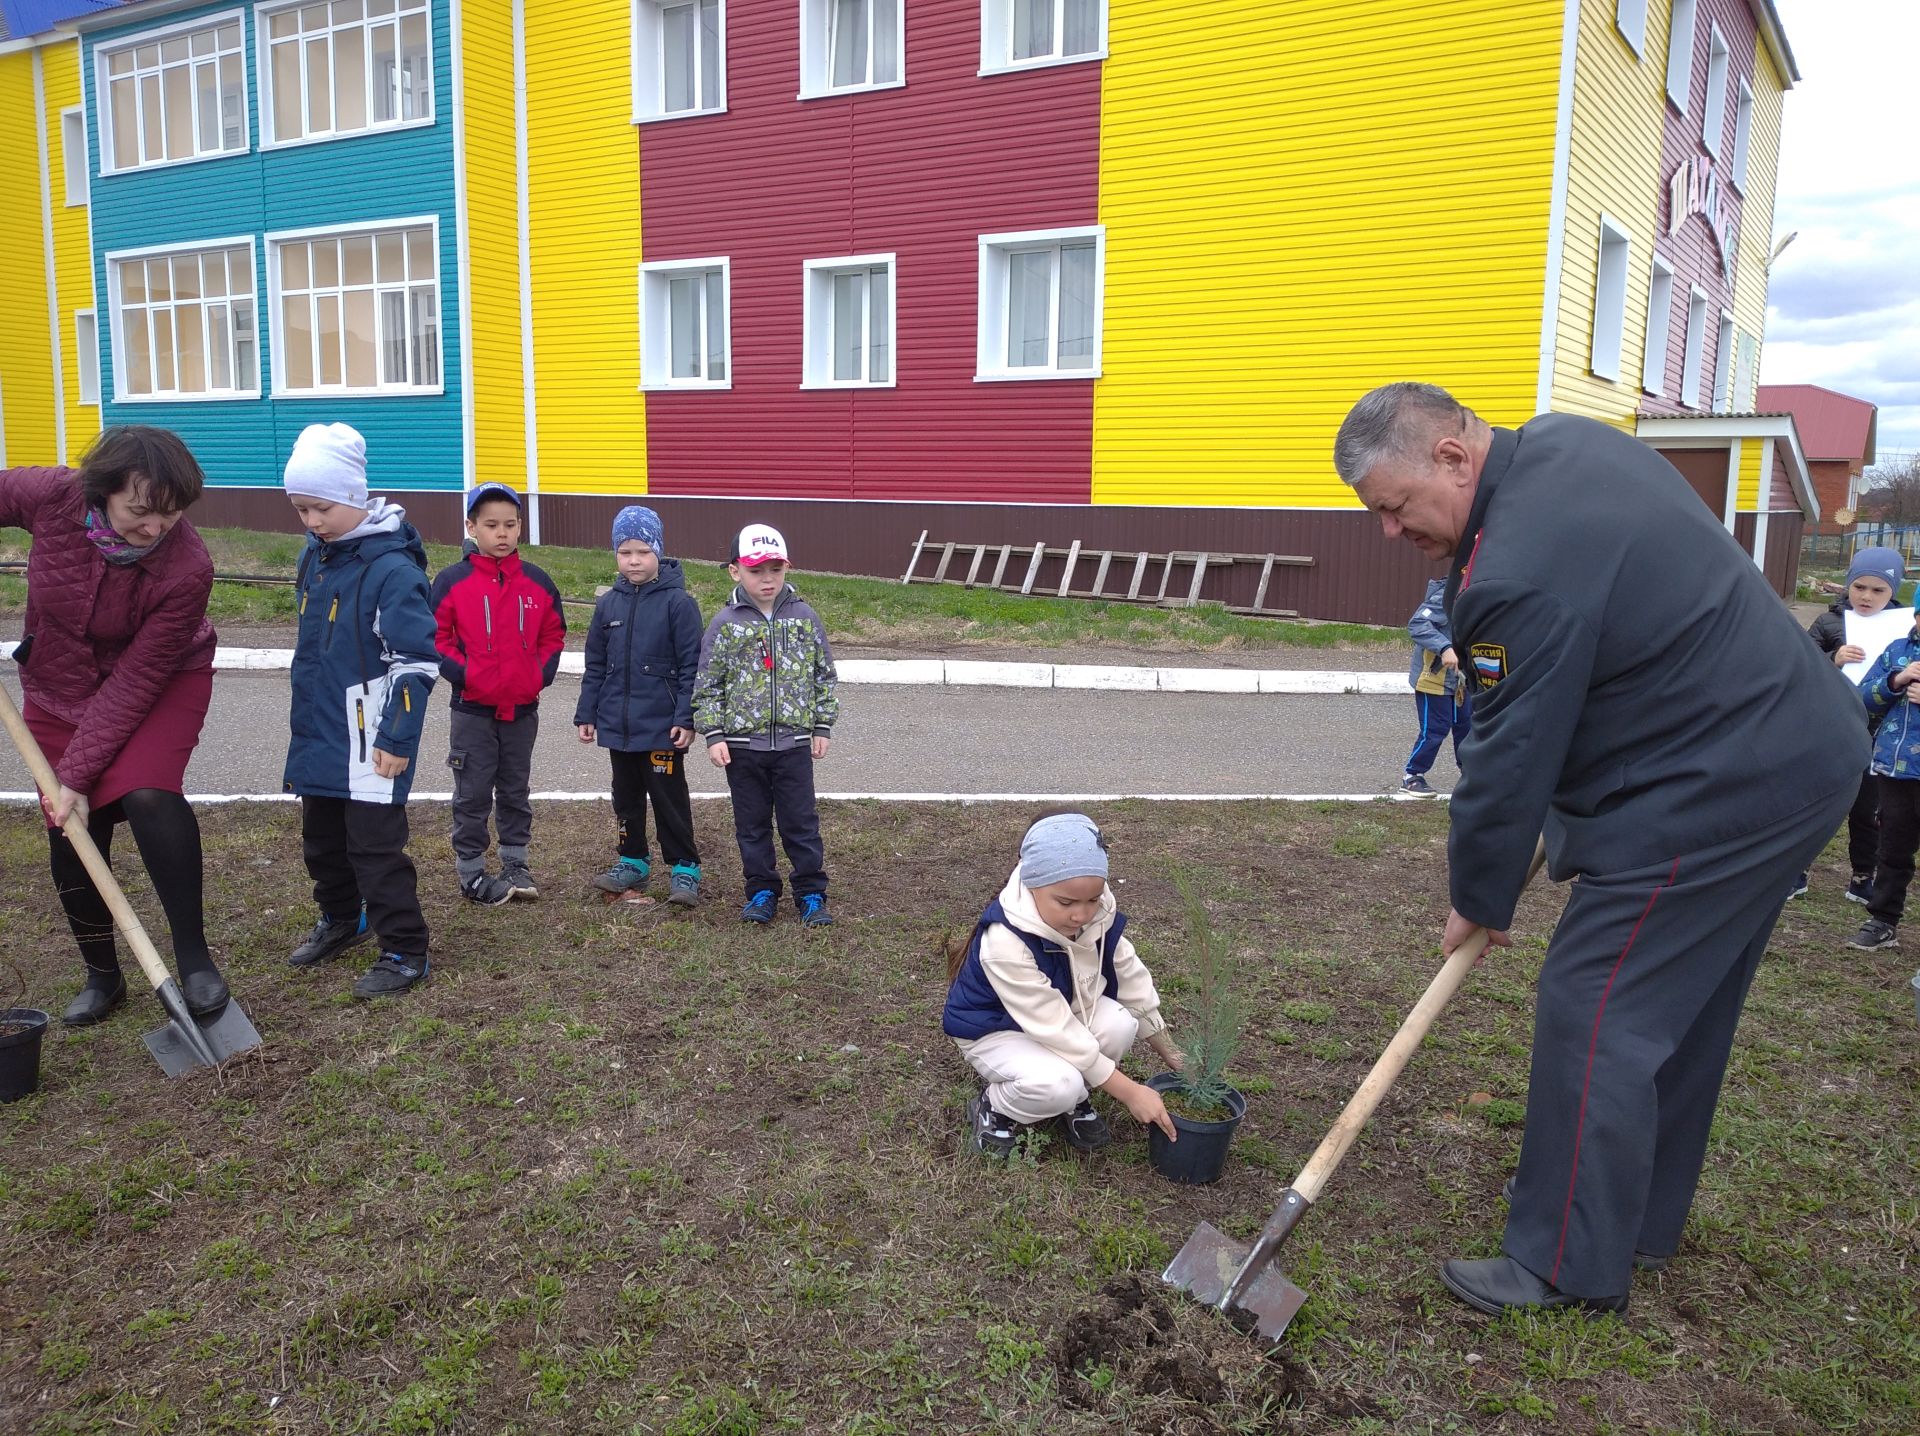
(1844,302)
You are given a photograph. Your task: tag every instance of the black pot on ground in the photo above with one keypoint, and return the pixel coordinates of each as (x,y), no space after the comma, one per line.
(21,1029)
(1201,1153)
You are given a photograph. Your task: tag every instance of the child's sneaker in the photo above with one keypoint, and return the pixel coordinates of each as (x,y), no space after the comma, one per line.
(759,907)
(1874,935)
(487,889)
(1860,890)
(1085,1128)
(519,881)
(988,1132)
(330,937)
(623,877)
(1799,888)
(813,910)
(390,975)
(684,888)
(1415,784)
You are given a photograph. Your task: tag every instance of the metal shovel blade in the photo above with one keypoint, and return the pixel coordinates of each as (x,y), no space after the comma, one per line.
(1205,1267)
(211,1041)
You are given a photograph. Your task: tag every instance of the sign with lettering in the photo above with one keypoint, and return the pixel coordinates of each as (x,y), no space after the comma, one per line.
(1695,189)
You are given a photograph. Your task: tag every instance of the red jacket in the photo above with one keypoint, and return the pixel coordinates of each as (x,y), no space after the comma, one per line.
(499,630)
(107,638)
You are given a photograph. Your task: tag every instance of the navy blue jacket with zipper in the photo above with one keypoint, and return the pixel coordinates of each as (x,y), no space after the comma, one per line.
(363,665)
(643,650)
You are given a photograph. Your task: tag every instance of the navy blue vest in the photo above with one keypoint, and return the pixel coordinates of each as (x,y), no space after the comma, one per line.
(974,1009)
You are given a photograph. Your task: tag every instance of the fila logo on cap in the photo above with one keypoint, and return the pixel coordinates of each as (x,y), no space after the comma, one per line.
(759,544)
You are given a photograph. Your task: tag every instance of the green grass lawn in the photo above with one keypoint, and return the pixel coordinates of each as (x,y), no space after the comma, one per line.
(865,611)
(617,1171)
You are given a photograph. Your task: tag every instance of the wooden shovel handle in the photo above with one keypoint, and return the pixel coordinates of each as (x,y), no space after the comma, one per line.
(76,830)
(1346,1127)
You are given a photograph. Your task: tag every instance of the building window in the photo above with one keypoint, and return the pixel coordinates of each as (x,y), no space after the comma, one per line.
(183,323)
(1017,34)
(1040,304)
(1680,54)
(850,45)
(686,341)
(679,58)
(1653,366)
(1630,19)
(86,354)
(1713,114)
(1610,300)
(1723,366)
(848,320)
(174,95)
(1742,135)
(1696,342)
(73,153)
(1746,373)
(328,70)
(357,311)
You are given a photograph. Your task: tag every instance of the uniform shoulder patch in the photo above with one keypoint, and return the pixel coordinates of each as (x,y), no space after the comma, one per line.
(1489,662)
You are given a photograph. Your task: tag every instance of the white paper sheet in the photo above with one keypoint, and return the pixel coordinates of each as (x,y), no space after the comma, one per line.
(1873,632)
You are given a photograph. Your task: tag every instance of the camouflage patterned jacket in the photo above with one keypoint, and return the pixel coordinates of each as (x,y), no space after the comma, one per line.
(765,682)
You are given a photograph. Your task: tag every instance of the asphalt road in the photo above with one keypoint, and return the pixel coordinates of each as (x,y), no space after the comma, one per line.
(926,740)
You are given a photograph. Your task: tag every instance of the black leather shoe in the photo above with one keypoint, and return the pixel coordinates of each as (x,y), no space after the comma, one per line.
(1643,1261)
(94,1004)
(1500,1284)
(205,992)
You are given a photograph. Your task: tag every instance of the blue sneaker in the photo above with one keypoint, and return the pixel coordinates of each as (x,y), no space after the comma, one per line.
(390,975)
(330,937)
(759,907)
(813,910)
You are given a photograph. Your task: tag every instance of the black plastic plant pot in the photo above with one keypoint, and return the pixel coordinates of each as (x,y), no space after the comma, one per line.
(1201,1153)
(21,1029)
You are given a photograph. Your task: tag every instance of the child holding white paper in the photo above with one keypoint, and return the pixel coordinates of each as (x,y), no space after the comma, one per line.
(1844,631)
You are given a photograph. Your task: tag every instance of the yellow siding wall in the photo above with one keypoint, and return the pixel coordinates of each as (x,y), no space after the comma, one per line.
(584,192)
(493,245)
(1619,105)
(1302,202)
(1747,491)
(1756,213)
(26,358)
(72,241)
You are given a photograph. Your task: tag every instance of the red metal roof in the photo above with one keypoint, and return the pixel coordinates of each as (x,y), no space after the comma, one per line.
(1832,425)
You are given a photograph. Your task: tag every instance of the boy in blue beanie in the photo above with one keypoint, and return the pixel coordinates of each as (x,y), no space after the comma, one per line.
(643,649)
(1873,582)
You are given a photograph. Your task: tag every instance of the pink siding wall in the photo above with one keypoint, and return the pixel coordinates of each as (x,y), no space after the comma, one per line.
(920,171)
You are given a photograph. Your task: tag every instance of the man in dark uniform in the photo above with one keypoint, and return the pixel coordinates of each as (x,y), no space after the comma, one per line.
(1645,700)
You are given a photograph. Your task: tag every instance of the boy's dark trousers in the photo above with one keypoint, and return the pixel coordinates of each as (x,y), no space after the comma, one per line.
(1899,837)
(1441,714)
(659,776)
(492,762)
(770,785)
(1863,826)
(357,852)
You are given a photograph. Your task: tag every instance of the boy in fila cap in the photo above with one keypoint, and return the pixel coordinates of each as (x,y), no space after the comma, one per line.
(764,701)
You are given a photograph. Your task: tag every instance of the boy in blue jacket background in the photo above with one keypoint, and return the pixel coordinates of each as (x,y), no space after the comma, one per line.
(363,665)
(1440,694)
(636,701)
(1891,691)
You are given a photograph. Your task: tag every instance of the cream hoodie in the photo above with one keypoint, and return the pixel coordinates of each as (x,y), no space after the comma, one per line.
(1036,1004)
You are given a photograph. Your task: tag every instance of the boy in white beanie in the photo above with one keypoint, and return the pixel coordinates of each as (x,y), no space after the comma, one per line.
(363,665)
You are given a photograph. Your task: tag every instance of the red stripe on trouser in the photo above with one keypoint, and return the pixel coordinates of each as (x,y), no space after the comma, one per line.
(1586,1086)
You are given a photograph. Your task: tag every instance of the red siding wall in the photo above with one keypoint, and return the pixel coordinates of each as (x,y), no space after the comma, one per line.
(920,171)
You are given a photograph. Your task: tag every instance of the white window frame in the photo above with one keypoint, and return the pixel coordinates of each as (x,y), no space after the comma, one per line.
(376,227)
(86,354)
(1742,135)
(1746,369)
(1713,113)
(103,92)
(1695,346)
(1680,53)
(1610,299)
(816,52)
(1630,19)
(263,14)
(1723,366)
(656,340)
(996,40)
(992,318)
(816,307)
(649,65)
(117,327)
(74,148)
(1653,362)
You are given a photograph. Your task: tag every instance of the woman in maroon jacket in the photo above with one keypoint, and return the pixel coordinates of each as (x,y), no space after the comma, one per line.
(117,670)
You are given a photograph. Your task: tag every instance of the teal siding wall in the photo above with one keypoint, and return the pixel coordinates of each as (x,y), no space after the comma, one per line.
(413,441)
